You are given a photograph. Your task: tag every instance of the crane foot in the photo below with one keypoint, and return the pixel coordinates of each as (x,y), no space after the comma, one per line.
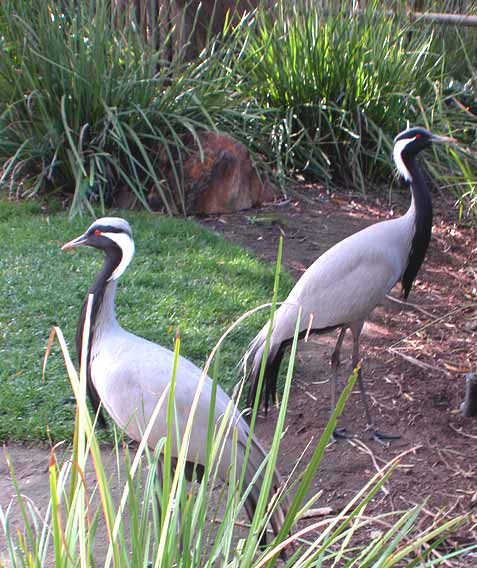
(382,438)
(341,434)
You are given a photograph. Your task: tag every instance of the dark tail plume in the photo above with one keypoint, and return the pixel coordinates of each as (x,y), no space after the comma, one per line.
(252,362)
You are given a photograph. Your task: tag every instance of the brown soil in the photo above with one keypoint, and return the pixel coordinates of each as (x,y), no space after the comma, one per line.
(415,356)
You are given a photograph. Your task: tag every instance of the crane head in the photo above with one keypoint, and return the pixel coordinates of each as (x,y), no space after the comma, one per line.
(410,142)
(417,138)
(113,235)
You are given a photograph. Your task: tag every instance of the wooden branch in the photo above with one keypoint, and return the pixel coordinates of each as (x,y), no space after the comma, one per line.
(418,363)
(406,304)
(453,19)
(320,512)
(434,321)
(437,18)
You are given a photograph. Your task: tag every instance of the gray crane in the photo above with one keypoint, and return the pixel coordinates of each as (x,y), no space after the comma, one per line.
(127,374)
(344,285)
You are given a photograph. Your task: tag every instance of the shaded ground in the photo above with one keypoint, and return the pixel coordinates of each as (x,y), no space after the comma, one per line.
(414,356)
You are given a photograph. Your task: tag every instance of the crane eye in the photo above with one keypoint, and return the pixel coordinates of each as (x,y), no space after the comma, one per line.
(97,232)
(418,136)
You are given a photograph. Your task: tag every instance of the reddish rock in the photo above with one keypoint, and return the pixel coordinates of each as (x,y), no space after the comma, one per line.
(224,180)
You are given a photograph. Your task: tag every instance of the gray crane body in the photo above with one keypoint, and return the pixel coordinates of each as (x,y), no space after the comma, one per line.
(122,362)
(345,284)
(128,374)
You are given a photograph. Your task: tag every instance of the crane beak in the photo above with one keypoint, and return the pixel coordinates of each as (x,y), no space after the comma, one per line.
(81,240)
(444,139)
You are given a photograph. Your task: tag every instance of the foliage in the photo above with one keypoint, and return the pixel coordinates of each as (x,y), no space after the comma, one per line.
(182,277)
(200,528)
(345,84)
(88,107)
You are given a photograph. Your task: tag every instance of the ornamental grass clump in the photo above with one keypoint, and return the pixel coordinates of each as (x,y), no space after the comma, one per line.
(150,523)
(88,106)
(340,85)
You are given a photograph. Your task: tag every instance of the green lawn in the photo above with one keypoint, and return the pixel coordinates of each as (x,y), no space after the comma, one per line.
(181,277)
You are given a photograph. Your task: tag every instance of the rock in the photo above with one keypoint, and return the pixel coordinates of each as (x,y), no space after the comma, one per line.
(222,178)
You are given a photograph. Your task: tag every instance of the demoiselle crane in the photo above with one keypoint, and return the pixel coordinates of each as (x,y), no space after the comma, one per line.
(344,285)
(128,374)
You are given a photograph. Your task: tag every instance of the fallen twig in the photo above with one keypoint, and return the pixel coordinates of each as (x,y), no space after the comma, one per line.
(319,512)
(455,470)
(409,305)
(459,431)
(364,448)
(302,386)
(418,363)
(434,321)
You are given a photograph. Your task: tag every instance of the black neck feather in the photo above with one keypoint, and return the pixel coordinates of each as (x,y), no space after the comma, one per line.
(423,223)
(112,260)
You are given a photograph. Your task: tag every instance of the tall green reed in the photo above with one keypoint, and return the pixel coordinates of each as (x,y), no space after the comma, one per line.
(340,85)
(88,106)
(203,527)
(138,533)
(343,84)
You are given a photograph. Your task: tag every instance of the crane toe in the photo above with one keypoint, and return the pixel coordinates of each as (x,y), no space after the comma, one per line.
(341,434)
(382,438)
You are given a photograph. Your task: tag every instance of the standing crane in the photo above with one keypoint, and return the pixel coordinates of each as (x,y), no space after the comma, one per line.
(127,375)
(344,285)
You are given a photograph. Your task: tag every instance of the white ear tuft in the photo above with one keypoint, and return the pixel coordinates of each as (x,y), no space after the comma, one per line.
(126,244)
(397,155)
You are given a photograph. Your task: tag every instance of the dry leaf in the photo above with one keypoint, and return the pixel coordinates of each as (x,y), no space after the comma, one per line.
(455,369)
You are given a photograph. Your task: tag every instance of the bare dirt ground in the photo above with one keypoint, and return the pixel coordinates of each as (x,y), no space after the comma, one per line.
(415,356)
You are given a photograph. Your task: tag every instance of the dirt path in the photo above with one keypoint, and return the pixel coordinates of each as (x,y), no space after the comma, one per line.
(416,387)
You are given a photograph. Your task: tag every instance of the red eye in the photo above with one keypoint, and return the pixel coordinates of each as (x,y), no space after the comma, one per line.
(418,135)
(97,232)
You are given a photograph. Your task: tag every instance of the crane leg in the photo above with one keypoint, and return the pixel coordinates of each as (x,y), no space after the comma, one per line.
(338,433)
(378,436)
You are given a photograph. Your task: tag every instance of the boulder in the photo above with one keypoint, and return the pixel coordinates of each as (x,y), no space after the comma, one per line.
(221,178)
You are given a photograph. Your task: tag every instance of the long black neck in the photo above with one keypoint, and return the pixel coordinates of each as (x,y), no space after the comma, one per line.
(112,260)
(423,222)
